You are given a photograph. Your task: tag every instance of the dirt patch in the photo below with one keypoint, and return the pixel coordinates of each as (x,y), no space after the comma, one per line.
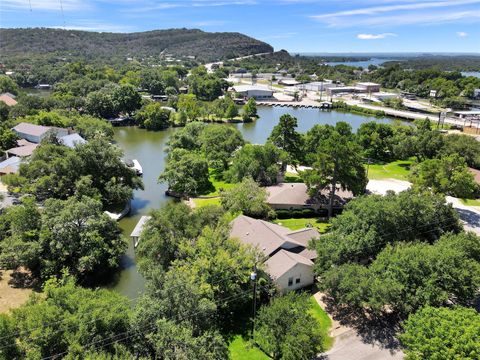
(11,297)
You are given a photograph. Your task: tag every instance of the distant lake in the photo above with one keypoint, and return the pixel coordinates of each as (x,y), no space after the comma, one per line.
(363,64)
(471,73)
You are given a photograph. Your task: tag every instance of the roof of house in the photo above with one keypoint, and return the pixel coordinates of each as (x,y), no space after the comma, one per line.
(7,99)
(10,165)
(23,151)
(283,261)
(297,194)
(31,129)
(269,237)
(137,231)
(475,173)
(23,142)
(243,88)
(367,84)
(72,140)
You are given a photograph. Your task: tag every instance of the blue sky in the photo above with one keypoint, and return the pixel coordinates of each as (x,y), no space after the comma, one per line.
(294,25)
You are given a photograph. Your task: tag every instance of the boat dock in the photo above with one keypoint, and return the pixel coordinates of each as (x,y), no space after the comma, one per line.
(137,231)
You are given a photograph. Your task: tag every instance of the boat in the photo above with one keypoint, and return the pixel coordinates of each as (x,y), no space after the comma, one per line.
(138,168)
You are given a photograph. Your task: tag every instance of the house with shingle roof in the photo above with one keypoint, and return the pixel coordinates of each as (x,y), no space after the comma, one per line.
(8,99)
(289,262)
(295,196)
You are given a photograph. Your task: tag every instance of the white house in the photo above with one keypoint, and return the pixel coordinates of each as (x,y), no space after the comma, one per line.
(288,261)
(36,133)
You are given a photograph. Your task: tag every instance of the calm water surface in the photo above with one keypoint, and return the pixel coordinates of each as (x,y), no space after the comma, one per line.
(148,147)
(363,64)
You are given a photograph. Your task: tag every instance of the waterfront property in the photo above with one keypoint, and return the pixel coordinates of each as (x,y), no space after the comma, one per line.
(253,91)
(36,133)
(8,99)
(294,196)
(137,231)
(287,259)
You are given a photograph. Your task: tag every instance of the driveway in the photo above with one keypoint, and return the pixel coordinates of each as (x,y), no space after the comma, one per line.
(349,345)
(470,215)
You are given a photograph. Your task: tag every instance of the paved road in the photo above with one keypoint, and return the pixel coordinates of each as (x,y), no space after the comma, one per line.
(350,346)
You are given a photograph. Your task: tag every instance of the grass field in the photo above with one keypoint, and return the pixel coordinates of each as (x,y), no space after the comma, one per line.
(296,224)
(218,183)
(241,349)
(471,202)
(395,170)
(204,202)
(325,322)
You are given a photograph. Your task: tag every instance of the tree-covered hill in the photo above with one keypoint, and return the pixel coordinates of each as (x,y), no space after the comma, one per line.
(94,45)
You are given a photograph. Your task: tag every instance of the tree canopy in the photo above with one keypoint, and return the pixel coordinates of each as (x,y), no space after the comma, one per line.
(442,333)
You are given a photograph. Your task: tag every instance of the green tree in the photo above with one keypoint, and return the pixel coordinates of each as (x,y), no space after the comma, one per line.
(448,175)
(408,276)
(284,324)
(8,139)
(219,142)
(376,140)
(231,112)
(187,138)
(250,109)
(68,320)
(186,173)
(260,162)
(7,84)
(72,234)
(153,117)
(369,223)
(442,333)
(338,163)
(4,111)
(101,103)
(126,99)
(464,145)
(285,137)
(189,104)
(248,198)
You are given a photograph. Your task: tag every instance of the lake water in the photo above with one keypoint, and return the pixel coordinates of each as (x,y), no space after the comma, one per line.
(363,64)
(471,73)
(148,147)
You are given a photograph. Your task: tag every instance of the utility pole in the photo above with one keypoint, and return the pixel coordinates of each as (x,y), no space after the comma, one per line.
(253,277)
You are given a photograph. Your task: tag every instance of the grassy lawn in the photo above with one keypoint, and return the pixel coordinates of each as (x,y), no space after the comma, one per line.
(471,202)
(204,202)
(292,178)
(242,349)
(325,322)
(296,224)
(395,170)
(218,183)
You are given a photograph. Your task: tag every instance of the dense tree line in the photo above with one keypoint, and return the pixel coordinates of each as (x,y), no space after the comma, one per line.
(108,47)
(56,171)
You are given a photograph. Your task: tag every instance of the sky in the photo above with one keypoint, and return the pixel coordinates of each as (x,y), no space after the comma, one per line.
(321,26)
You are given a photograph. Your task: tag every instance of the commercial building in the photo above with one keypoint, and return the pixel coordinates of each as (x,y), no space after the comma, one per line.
(368,87)
(253,91)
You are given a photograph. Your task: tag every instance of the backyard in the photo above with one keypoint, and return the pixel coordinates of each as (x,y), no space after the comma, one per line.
(394,170)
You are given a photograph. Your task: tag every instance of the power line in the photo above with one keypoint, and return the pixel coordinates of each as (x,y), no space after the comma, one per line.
(137,332)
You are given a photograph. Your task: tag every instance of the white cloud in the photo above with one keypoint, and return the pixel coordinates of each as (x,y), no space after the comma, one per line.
(419,12)
(96,26)
(462,33)
(374,36)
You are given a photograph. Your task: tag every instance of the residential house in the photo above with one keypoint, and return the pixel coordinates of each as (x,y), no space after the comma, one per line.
(8,99)
(10,165)
(36,133)
(72,140)
(295,196)
(22,151)
(288,261)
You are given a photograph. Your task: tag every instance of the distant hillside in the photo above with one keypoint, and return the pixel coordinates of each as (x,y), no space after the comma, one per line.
(103,46)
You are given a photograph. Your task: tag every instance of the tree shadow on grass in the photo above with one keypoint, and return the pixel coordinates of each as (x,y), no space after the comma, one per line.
(381,331)
(22,279)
